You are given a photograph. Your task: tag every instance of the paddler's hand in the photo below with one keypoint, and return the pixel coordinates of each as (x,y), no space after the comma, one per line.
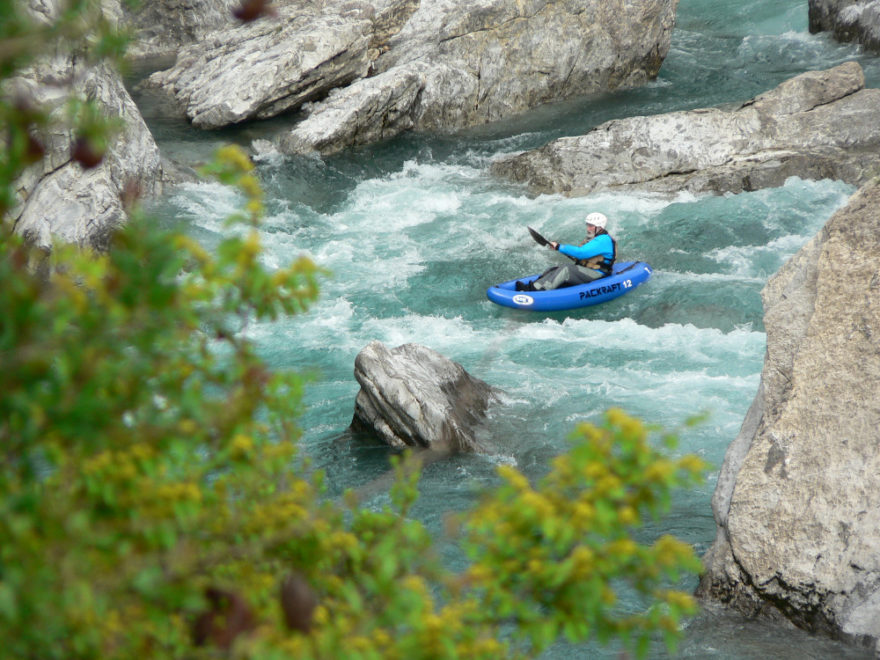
(554,245)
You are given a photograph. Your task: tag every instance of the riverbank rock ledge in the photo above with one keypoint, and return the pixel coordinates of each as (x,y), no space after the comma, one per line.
(797,502)
(412,396)
(439,65)
(56,198)
(820,124)
(848,20)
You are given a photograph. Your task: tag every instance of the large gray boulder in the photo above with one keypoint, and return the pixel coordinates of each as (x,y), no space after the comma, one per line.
(368,110)
(797,502)
(849,20)
(426,66)
(57,198)
(459,64)
(412,396)
(820,124)
(262,68)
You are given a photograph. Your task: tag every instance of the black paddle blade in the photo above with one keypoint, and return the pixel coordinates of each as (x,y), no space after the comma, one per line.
(538,238)
(543,241)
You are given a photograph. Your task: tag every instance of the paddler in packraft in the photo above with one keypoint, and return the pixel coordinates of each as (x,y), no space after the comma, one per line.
(593,259)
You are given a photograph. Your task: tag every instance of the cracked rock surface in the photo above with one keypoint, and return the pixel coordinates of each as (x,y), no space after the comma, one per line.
(412,396)
(369,70)
(820,124)
(849,20)
(57,198)
(797,502)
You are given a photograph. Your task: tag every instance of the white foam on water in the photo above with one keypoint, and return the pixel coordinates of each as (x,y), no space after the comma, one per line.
(673,278)
(398,205)
(740,261)
(445,335)
(207,204)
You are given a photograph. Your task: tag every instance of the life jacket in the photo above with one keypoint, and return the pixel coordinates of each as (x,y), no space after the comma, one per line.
(599,262)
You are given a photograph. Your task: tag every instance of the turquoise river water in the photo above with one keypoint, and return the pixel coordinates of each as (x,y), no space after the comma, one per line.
(414,231)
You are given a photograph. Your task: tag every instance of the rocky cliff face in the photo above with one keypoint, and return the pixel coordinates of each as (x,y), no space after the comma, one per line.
(416,65)
(820,124)
(57,198)
(461,64)
(162,27)
(798,499)
(260,69)
(848,20)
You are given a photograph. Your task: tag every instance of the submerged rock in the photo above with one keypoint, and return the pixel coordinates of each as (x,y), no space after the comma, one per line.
(820,124)
(797,502)
(412,396)
(849,20)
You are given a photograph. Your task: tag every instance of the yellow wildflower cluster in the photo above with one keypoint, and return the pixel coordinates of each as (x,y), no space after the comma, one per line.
(628,426)
(565,542)
(241,446)
(119,466)
(233,156)
(176,492)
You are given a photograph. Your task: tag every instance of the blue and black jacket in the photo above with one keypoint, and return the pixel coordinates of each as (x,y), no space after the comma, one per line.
(598,253)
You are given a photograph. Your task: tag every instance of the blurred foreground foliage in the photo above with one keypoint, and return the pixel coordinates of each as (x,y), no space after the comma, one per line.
(153,501)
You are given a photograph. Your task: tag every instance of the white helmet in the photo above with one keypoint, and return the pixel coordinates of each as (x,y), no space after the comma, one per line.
(597,219)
